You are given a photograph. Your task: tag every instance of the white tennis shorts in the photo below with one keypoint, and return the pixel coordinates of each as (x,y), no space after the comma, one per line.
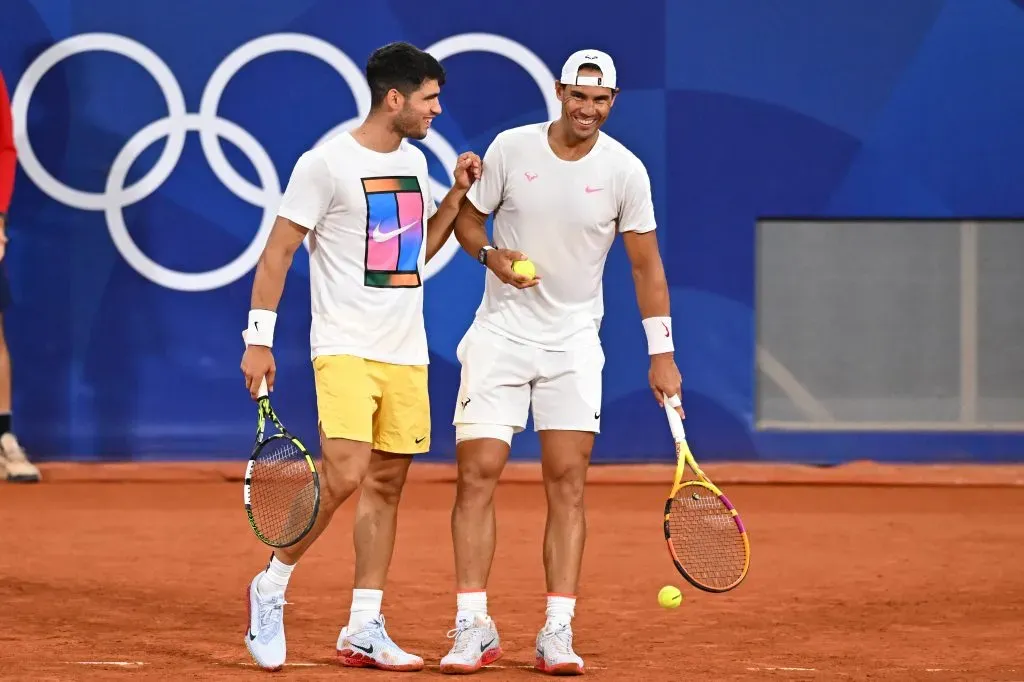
(501,378)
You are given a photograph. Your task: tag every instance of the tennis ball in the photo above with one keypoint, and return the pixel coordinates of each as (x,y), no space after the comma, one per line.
(670,597)
(525,268)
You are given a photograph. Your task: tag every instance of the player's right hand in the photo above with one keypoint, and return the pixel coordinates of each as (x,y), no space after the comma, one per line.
(499,261)
(257,363)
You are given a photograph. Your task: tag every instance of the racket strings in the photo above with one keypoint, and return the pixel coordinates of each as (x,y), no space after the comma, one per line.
(706,539)
(283,491)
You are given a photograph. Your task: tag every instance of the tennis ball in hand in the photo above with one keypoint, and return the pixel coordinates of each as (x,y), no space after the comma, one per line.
(670,597)
(525,268)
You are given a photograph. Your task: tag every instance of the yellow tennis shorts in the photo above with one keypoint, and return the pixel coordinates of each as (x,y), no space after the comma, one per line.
(373,402)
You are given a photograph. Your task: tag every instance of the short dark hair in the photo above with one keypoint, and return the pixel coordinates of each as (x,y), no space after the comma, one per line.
(401,66)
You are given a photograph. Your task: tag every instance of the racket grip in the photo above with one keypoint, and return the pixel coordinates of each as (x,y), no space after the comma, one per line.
(675,422)
(263,390)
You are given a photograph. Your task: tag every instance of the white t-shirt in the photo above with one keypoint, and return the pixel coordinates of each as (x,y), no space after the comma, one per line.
(368,214)
(564,216)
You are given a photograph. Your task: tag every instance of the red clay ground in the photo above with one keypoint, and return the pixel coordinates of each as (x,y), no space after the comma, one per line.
(847,582)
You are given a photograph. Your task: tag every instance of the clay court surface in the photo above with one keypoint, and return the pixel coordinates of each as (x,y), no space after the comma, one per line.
(146,567)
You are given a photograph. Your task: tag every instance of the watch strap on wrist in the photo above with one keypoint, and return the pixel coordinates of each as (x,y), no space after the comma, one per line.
(482,254)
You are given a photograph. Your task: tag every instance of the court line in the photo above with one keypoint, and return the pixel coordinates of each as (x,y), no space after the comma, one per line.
(128,664)
(435,666)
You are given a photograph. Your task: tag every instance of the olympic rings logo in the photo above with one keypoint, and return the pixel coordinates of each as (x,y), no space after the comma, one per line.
(211,127)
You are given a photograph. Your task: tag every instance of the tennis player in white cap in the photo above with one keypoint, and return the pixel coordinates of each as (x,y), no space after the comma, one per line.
(560,191)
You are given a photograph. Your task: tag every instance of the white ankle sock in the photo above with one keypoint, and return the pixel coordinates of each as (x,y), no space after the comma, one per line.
(275,579)
(470,605)
(561,609)
(365,607)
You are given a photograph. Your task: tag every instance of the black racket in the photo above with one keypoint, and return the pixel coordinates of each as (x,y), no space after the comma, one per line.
(282,487)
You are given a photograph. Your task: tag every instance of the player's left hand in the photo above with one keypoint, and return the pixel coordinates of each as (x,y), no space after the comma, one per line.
(665,379)
(468,168)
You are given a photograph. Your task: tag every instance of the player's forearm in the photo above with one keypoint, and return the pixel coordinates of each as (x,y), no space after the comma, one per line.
(271,271)
(470,230)
(441,224)
(652,289)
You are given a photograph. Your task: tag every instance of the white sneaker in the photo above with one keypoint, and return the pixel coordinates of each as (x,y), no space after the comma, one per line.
(15,462)
(265,636)
(372,647)
(476,644)
(554,652)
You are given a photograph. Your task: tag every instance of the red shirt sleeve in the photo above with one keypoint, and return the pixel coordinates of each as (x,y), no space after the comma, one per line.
(8,156)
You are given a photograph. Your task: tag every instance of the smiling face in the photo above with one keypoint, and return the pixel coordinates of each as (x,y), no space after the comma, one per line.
(585,108)
(418,109)
(405,83)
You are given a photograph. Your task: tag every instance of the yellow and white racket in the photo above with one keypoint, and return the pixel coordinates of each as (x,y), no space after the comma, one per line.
(706,537)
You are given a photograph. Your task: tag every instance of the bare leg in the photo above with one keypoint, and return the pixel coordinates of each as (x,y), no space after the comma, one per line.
(565,456)
(14,463)
(342,470)
(377,518)
(345,463)
(364,642)
(480,463)
(5,373)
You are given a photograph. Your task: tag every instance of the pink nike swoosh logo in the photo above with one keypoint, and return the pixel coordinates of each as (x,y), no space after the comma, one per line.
(530,177)
(591,190)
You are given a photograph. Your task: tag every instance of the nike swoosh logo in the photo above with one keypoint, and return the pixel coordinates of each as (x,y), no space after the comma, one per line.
(379,236)
(252,637)
(365,649)
(420,440)
(590,190)
(483,647)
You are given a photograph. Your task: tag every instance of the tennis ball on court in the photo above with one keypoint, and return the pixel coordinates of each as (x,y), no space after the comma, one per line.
(525,268)
(670,597)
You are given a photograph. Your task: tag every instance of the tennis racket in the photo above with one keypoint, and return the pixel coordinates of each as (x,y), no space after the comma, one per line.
(282,487)
(705,535)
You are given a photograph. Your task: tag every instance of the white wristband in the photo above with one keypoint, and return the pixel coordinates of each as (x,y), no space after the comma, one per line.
(261,328)
(659,335)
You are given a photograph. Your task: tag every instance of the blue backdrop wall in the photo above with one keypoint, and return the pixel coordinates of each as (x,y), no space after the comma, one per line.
(123,347)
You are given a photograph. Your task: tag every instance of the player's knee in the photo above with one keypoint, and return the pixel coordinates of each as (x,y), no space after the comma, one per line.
(565,483)
(337,486)
(482,451)
(386,483)
(343,470)
(476,485)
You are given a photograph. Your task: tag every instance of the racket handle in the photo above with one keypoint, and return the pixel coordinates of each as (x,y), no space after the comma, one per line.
(264,391)
(675,422)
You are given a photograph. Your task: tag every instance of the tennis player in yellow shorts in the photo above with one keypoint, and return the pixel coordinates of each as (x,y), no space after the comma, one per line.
(373,402)
(363,198)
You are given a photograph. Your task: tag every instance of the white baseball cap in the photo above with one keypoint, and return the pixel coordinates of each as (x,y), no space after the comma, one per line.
(571,68)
